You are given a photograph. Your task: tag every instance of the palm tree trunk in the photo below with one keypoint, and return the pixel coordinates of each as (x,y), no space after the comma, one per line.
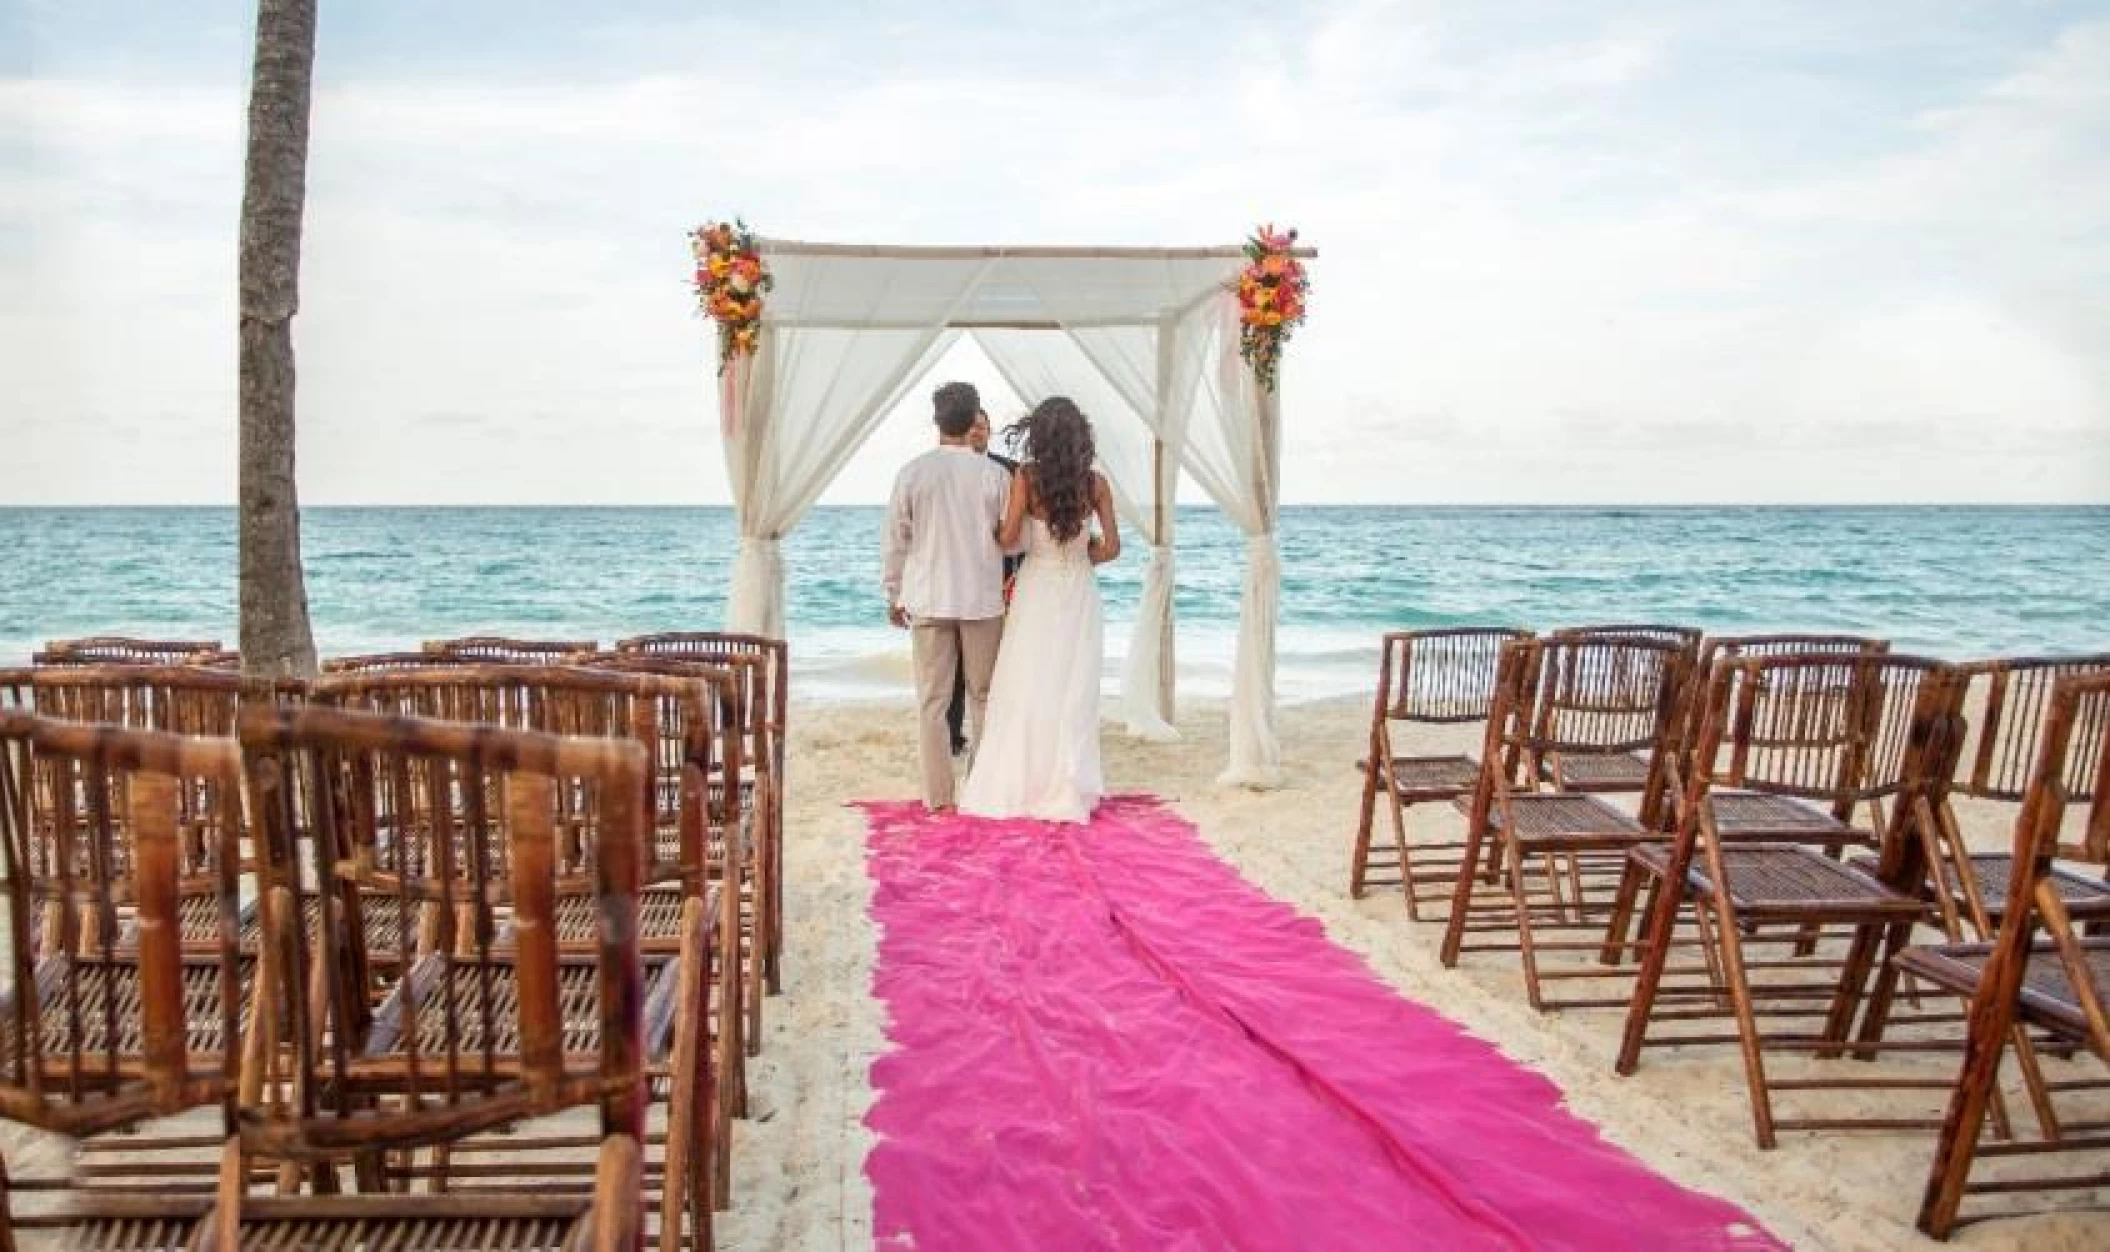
(276,638)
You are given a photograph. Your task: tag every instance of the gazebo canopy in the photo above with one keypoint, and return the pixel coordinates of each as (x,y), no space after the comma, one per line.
(853,285)
(1144,339)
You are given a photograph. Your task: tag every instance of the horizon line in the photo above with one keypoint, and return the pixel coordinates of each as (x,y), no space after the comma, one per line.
(1192,504)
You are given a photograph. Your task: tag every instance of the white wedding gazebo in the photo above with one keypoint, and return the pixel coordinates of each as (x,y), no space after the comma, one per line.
(1146,340)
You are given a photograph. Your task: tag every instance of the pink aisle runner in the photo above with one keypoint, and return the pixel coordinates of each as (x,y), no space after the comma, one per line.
(1105,1038)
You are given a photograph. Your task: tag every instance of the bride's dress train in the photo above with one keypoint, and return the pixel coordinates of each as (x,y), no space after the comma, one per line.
(1038,754)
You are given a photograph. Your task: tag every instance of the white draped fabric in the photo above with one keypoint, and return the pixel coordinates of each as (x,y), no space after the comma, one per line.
(810,398)
(1144,340)
(1098,368)
(1233,453)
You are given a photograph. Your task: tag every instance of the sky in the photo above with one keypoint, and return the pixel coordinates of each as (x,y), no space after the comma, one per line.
(1576,254)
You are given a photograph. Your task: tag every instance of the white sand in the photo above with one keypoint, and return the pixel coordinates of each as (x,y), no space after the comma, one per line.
(799,1179)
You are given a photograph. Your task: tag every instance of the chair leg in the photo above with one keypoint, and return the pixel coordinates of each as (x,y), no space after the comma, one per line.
(7,1208)
(2033,1081)
(1462,892)
(1365,820)
(1992,1020)
(1659,921)
(775,968)
(681,1079)
(1621,923)
(1746,1024)
(1853,982)
(1406,859)
(1520,902)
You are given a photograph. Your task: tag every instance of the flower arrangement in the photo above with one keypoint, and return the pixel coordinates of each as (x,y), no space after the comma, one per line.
(730,280)
(1272,289)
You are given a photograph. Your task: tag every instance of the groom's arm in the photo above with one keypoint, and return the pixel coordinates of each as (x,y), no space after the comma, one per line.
(899,529)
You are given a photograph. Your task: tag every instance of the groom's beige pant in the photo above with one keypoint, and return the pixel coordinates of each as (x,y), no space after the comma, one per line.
(941,646)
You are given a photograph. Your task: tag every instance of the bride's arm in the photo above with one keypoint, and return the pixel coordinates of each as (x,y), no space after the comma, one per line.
(1014,524)
(1108,545)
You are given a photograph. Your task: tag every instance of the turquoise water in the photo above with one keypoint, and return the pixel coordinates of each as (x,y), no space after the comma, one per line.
(1953,582)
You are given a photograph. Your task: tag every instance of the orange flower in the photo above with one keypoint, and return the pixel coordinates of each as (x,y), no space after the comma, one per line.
(1274,265)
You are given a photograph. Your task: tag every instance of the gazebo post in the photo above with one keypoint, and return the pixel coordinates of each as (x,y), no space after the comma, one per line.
(1162,500)
(1162,528)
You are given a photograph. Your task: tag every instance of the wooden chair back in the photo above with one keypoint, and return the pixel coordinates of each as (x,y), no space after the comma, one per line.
(669,717)
(734,705)
(503,650)
(181,700)
(2011,698)
(123,650)
(1826,726)
(1444,676)
(98,1031)
(723,648)
(172,699)
(479,811)
(1659,632)
(1572,695)
(1721,648)
(375,662)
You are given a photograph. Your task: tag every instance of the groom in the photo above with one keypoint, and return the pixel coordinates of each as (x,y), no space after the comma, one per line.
(944,576)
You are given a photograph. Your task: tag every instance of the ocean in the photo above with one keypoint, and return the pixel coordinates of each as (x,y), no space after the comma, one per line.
(1954,582)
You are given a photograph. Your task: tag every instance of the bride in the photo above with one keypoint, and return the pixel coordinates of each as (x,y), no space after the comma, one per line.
(1039,750)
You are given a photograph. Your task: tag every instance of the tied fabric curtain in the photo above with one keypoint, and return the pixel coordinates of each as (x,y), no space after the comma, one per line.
(796,412)
(1233,452)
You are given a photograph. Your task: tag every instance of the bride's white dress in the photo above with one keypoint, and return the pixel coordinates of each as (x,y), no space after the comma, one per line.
(1038,756)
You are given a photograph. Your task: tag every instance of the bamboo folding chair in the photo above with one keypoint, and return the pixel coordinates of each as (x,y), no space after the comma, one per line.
(1969,889)
(738,824)
(1429,677)
(502,650)
(124,650)
(1739,813)
(765,758)
(684,722)
(1560,698)
(2058,984)
(106,1026)
(498,1025)
(1843,729)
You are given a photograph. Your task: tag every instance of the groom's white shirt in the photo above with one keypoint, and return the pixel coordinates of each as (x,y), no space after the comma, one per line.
(942,558)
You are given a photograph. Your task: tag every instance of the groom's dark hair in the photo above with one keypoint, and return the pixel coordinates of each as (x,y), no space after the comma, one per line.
(953,407)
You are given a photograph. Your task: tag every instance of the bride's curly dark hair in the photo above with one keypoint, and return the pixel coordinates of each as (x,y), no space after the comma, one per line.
(1058,449)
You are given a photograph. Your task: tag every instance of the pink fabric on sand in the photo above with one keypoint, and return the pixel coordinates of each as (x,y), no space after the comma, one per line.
(1104,1037)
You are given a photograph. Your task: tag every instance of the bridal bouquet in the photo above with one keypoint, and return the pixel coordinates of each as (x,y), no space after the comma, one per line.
(1271,296)
(730,280)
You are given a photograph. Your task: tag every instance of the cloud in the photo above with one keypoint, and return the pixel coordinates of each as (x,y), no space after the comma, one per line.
(1637,247)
